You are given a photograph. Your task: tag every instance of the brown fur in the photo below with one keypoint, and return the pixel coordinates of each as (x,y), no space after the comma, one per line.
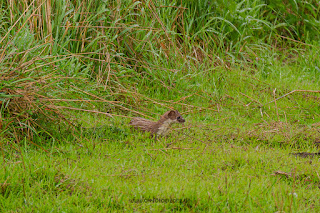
(160,127)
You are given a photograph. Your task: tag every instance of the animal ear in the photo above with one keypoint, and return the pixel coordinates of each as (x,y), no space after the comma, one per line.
(172,114)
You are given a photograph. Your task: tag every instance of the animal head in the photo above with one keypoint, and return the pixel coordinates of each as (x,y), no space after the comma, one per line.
(175,116)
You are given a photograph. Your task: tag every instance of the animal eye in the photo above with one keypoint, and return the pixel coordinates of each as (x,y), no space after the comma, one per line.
(178,117)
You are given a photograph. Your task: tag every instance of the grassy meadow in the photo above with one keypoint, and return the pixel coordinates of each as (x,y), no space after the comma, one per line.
(244,74)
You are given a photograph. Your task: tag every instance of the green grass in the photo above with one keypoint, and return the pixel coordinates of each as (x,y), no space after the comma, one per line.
(97,174)
(225,65)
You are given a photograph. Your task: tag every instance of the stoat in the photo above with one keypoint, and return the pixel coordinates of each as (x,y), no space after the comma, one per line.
(159,128)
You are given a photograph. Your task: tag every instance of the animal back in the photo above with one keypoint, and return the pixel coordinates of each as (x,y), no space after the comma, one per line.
(144,125)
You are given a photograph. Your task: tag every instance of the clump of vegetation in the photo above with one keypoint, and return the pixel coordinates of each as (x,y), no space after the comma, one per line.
(43,44)
(20,105)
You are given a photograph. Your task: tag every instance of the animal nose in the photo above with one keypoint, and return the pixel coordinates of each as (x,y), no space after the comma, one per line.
(182,120)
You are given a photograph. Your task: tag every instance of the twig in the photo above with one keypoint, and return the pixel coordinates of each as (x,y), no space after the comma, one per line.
(250,98)
(195,138)
(205,148)
(305,154)
(109,70)
(93,111)
(294,40)
(275,102)
(125,108)
(120,175)
(311,91)
(157,101)
(76,100)
(180,148)
(287,175)
(39,146)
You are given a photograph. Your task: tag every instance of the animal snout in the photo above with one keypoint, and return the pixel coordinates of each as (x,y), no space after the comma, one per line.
(181,120)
